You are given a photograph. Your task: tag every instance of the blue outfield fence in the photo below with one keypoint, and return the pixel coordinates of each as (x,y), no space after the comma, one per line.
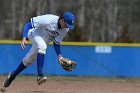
(93,59)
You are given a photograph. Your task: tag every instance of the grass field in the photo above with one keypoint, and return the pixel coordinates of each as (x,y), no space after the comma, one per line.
(61,84)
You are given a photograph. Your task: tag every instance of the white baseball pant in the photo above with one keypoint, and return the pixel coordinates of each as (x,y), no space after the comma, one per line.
(38,46)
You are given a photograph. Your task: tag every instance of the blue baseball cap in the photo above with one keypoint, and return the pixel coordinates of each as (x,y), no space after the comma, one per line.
(69,20)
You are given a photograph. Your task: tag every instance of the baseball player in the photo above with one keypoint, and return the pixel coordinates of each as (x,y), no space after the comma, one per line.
(40,31)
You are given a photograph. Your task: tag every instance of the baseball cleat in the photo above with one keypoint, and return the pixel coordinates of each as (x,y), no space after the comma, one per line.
(41,79)
(9,79)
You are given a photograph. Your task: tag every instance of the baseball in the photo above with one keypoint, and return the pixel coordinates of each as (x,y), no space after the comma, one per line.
(69,62)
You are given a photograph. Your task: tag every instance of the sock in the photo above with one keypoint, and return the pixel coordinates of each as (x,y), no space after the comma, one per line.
(19,69)
(40,63)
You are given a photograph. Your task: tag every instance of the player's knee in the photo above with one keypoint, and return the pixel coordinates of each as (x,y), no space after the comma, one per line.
(28,62)
(42,49)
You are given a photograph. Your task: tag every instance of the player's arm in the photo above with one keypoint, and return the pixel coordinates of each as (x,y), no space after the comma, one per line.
(58,50)
(25,33)
(56,43)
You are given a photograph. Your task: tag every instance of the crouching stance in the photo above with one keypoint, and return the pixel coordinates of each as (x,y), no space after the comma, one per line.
(40,31)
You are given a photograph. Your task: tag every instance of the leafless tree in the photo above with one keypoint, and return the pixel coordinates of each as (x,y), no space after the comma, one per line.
(96,20)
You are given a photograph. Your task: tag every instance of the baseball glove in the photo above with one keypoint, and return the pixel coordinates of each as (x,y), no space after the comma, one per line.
(67,64)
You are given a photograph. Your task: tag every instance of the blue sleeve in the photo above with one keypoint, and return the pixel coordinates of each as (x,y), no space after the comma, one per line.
(26,29)
(57,48)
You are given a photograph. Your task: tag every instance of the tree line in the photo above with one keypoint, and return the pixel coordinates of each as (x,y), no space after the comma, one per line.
(96,20)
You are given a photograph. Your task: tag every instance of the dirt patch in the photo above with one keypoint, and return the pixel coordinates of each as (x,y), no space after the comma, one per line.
(56,84)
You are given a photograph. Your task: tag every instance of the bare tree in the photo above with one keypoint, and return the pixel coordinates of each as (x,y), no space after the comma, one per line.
(81,13)
(13,20)
(2,14)
(97,20)
(111,15)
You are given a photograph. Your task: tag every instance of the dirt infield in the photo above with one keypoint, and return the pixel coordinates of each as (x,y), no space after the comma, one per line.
(57,84)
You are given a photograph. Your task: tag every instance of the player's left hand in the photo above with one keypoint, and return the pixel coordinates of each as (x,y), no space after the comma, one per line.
(67,64)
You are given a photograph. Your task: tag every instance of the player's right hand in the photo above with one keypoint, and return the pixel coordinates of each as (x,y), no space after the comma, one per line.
(24,41)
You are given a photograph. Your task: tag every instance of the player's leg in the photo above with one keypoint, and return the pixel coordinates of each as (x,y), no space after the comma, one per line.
(13,74)
(40,61)
(40,57)
(27,60)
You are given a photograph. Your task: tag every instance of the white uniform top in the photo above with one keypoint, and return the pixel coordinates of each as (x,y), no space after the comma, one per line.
(47,26)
